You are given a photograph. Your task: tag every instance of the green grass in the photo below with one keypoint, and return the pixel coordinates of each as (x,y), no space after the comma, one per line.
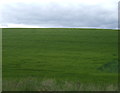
(62,54)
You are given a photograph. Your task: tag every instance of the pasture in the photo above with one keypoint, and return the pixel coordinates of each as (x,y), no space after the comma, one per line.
(85,57)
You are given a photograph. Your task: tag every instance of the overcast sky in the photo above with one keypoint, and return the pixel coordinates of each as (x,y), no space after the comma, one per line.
(59,13)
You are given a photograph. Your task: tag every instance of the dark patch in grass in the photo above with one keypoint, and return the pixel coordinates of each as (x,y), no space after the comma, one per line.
(111,67)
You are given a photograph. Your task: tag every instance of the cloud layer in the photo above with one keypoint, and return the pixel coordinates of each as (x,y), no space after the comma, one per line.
(60,13)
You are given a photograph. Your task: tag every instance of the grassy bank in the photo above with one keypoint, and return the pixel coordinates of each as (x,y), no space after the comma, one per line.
(84,55)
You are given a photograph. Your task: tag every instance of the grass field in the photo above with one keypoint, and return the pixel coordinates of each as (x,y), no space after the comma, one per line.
(60,56)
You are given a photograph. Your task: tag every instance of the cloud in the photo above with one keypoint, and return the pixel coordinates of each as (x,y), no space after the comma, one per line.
(60,13)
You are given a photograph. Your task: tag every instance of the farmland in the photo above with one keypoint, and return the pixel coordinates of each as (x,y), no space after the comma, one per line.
(87,56)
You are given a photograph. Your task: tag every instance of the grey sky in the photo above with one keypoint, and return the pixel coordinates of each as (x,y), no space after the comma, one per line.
(59,13)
